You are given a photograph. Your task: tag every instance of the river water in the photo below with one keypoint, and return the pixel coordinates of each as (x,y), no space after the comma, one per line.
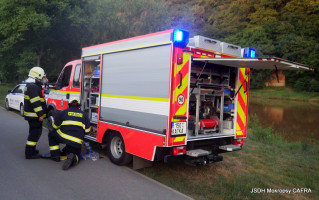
(293,120)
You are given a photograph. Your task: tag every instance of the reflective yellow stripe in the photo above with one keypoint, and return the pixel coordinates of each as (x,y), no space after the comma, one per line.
(88,130)
(44,115)
(30,114)
(69,137)
(73,123)
(136,97)
(35,99)
(55,126)
(37,109)
(30,143)
(56,147)
(26,97)
(57,91)
(42,100)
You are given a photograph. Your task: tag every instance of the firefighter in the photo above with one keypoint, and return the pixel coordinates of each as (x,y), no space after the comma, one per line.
(34,110)
(70,127)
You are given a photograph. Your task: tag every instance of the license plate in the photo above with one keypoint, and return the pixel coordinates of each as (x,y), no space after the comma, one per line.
(178,128)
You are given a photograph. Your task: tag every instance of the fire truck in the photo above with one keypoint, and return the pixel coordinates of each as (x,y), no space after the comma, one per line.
(164,96)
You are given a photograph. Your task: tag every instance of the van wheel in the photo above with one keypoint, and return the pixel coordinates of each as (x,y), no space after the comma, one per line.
(51,113)
(21,110)
(116,150)
(7,105)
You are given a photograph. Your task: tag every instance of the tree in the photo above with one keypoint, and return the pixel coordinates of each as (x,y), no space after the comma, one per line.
(38,32)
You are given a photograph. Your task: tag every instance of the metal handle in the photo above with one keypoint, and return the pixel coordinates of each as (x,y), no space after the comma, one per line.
(180,78)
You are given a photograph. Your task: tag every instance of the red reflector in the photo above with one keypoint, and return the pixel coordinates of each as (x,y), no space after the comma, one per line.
(179,150)
(237,142)
(247,71)
(179,58)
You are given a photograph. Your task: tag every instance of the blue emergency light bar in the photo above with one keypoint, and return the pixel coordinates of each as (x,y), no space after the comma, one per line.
(180,38)
(249,52)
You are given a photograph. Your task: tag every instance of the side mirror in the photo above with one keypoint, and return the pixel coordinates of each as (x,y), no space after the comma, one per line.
(9,91)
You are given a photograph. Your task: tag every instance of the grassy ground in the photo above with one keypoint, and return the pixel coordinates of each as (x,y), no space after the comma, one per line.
(284,93)
(266,161)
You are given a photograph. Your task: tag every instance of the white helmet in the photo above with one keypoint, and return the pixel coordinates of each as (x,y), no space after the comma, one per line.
(37,73)
(74,100)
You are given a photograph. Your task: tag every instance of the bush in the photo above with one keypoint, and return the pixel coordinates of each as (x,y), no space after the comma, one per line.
(302,84)
(314,85)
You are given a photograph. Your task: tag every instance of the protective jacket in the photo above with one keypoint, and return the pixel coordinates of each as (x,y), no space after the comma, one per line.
(34,103)
(71,125)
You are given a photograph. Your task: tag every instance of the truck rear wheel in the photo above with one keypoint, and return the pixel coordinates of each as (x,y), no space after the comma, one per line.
(116,150)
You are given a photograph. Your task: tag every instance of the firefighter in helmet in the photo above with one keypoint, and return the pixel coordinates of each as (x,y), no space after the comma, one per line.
(34,110)
(70,126)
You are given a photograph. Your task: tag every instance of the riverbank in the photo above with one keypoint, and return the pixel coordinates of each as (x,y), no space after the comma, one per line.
(284,93)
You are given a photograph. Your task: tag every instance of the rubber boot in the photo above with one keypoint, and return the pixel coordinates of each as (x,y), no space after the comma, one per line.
(71,161)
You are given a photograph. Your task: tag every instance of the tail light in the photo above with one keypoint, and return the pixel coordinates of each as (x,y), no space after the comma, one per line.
(179,150)
(237,142)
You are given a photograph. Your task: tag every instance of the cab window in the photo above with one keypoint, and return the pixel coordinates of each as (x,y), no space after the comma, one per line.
(64,78)
(76,77)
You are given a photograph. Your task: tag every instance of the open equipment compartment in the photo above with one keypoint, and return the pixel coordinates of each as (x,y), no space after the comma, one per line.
(211,86)
(90,95)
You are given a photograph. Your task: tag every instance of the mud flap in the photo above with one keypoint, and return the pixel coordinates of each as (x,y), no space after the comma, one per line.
(139,163)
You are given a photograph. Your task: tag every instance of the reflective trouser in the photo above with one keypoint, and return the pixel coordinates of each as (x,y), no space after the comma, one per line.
(35,131)
(55,140)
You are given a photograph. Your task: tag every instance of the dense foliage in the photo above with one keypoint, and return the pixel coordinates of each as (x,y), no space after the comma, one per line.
(51,32)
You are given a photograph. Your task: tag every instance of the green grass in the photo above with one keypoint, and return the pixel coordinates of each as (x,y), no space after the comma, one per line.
(284,93)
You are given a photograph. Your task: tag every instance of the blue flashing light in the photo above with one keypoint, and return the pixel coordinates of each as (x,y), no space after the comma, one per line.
(253,53)
(249,52)
(180,38)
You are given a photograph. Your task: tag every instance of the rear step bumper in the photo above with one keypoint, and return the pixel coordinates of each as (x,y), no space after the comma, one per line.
(230,147)
(197,157)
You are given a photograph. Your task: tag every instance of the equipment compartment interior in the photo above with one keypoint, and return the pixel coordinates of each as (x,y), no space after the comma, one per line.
(210,87)
(90,97)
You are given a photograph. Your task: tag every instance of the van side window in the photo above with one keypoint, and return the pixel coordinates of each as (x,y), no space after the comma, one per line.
(76,77)
(64,77)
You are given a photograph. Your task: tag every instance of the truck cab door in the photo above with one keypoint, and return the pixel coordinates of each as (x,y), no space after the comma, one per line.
(62,89)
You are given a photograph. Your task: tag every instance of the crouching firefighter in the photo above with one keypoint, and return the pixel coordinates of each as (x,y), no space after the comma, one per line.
(70,126)
(34,110)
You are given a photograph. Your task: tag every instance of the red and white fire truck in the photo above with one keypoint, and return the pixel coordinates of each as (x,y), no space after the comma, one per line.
(164,96)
